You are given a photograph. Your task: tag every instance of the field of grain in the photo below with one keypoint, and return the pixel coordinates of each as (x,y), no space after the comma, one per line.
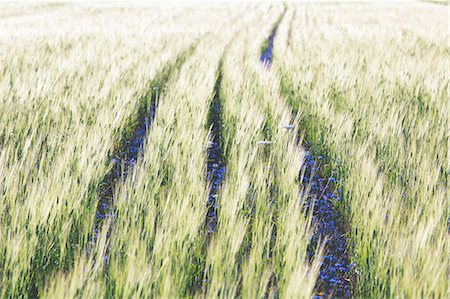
(221,150)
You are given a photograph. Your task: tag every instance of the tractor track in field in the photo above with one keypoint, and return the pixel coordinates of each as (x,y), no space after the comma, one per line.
(216,165)
(215,174)
(130,147)
(336,272)
(266,60)
(125,158)
(336,275)
(266,57)
(215,170)
(267,53)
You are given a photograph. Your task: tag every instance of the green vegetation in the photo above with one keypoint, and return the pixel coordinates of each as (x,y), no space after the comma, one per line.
(366,84)
(373,90)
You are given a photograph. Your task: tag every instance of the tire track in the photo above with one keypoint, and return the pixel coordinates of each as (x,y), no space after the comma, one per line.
(216,165)
(267,50)
(336,272)
(130,148)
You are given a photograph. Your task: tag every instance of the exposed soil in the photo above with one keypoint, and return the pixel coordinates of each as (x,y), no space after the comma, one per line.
(267,53)
(336,272)
(266,57)
(216,163)
(335,277)
(131,144)
(124,160)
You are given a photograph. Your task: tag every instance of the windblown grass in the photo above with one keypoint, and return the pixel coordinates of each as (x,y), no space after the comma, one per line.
(372,87)
(67,91)
(367,84)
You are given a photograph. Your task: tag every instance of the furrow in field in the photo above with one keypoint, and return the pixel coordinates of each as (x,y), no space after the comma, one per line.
(345,70)
(171,196)
(169,185)
(216,165)
(216,169)
(130,147)
(125,158)
(279,221)
(336,270)
(261,193)
(81,77)
(267,49)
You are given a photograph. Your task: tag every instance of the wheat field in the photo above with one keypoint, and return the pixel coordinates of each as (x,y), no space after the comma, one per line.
(224,149)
